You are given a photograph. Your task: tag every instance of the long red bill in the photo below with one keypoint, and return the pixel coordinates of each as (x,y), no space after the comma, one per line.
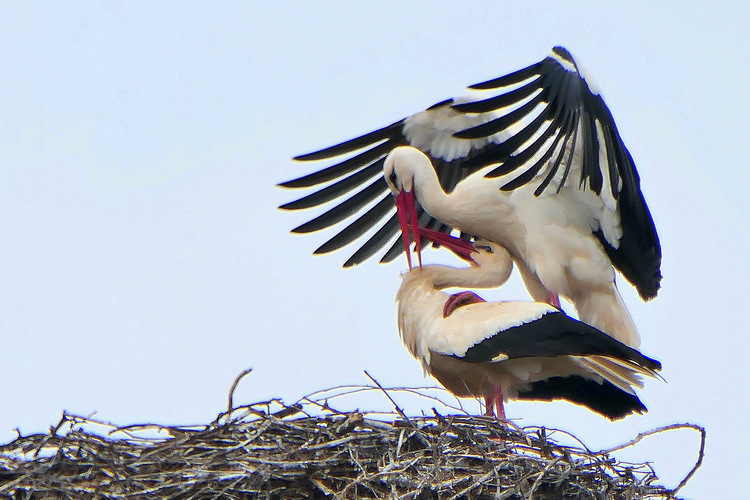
(403,222)
(407,218)
(462,248)
(414,222)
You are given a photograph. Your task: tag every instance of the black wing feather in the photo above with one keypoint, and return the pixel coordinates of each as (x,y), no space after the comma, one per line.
(554,334)
(509,79)
(344,167)
(336,189)
(499,124)
(358,227)
(605,399)
(570,112)
(353,144)
(375,243)
(562,134)
(500,101)
(345,209)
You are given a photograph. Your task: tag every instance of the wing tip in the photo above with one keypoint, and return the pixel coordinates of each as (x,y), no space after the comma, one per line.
(650,289)
(300,182)
(315,155)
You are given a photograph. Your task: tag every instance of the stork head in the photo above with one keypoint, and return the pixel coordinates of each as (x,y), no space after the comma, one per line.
(399,168)
(400,179)
(493,258)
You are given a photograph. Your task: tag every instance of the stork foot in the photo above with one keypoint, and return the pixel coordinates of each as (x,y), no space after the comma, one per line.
(460,299)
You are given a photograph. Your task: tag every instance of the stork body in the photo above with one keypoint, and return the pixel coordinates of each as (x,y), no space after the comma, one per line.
(514,350)
(548,237)
(534,160)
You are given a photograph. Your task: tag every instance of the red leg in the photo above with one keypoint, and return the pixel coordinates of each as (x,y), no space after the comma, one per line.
(494,401)
(489,407)
(459,300)
(498,395)
(554,300)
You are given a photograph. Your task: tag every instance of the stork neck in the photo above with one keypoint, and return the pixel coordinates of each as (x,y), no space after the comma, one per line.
(430,194)
(471,277)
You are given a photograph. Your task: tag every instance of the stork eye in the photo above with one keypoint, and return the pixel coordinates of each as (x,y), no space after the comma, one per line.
(393,178)
(486,248)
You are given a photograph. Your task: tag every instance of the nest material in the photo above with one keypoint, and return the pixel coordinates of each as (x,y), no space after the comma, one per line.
(270,450)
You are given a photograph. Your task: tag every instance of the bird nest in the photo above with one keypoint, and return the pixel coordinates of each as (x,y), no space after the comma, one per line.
(310,450)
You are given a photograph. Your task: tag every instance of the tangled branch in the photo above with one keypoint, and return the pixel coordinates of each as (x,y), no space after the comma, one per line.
(310,450)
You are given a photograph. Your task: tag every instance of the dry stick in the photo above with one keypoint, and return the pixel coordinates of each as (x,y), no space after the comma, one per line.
(701,451)
(542,473)
(479,482)
(399,410)
(697,463)
(230,403)
(658,430)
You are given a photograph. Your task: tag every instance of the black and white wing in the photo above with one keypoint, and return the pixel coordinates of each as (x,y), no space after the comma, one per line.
(488,332)
(541,332)
(546,123)
(610,372)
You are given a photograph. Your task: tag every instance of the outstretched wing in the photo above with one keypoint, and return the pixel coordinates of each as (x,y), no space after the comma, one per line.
(546,123)
(358,177)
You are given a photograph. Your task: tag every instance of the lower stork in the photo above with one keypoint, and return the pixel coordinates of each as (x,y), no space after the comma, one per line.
(511,350)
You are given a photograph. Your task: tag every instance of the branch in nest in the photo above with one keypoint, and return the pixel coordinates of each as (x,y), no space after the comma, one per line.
(268,452)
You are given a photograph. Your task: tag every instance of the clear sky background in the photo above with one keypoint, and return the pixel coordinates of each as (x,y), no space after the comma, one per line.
(143,262)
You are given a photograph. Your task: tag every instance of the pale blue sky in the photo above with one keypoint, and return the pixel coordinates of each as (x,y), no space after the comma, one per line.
(144,263)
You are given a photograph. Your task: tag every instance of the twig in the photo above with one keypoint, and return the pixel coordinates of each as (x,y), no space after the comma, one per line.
(538,480)
(230,402)
(399,410)
(658,430)
(698,463)
(701,451)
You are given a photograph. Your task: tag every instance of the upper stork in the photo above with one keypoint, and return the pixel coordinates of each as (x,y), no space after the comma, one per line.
(542,137)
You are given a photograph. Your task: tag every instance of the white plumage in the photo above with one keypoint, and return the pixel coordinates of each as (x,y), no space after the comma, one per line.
(548,237)
(509,350)
(535,162)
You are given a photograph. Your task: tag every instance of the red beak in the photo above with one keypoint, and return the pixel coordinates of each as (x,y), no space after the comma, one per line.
(462,248)
(407,218)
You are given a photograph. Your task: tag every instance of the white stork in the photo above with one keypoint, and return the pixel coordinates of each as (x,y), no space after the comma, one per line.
(512,350)
(542,169)
(548,237)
